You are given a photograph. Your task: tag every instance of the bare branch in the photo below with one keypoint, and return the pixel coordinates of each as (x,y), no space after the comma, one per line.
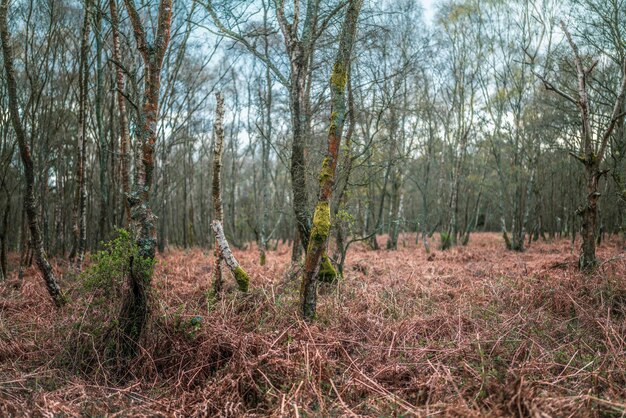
(551,87)
(239,38)
(138,29)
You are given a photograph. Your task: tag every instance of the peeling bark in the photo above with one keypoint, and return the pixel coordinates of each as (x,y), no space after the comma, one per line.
(240,275)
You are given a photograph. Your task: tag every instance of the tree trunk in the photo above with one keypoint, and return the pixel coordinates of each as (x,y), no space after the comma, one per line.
(80,200)
(4,271)
(218,149)
(121,104)
(134,310)
(103,149)
(589,214)
(241,277)
(320,231)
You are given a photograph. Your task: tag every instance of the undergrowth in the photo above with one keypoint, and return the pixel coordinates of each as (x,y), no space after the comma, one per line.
(476,332)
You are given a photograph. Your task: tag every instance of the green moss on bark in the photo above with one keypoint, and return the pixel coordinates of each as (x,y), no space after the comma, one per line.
(339,77)
(327,273)
(321,223)
(242,278)
(325,173)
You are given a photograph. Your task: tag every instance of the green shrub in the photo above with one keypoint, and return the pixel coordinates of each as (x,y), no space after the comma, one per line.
(96,338)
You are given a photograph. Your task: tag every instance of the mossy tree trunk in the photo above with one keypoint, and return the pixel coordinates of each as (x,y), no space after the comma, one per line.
(30,205)
(320,230)
(134,310)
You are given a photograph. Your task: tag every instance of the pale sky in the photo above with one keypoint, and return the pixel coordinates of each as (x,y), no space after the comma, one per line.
(429,10)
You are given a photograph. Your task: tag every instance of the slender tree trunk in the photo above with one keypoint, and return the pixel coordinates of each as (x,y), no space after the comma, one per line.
(103,149)
(320,231)
(4,271)
(121,104)
(80,200)
(222,249)
(265,156)
(396,198)
(30,206)
(134,310)
(218,212)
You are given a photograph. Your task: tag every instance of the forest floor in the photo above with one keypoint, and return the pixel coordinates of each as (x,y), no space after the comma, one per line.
(475,331)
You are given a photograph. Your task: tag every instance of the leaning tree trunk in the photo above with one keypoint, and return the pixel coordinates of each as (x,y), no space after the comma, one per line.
(320,230)
(222,249)
(134,310)
(30,205)
(241,276)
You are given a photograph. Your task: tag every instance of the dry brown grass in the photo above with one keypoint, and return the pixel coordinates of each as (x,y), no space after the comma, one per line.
(476,331)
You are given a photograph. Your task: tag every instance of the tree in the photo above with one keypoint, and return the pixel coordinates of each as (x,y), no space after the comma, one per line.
(216,190)
(135,308)
(320,230)
(30,205)
(593,146)
(79,228)
(121,104)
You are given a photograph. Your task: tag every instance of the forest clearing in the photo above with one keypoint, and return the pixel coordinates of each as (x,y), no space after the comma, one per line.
(313,208)
(475,331)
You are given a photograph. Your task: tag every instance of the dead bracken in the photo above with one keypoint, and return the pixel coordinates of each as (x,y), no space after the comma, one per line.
(476,331)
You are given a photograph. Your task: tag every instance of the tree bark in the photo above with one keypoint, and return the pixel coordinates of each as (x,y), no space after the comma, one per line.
(241,277)
(218,212)
(121,104)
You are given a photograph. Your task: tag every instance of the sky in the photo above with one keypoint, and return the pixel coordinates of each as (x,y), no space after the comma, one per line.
(429,10)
